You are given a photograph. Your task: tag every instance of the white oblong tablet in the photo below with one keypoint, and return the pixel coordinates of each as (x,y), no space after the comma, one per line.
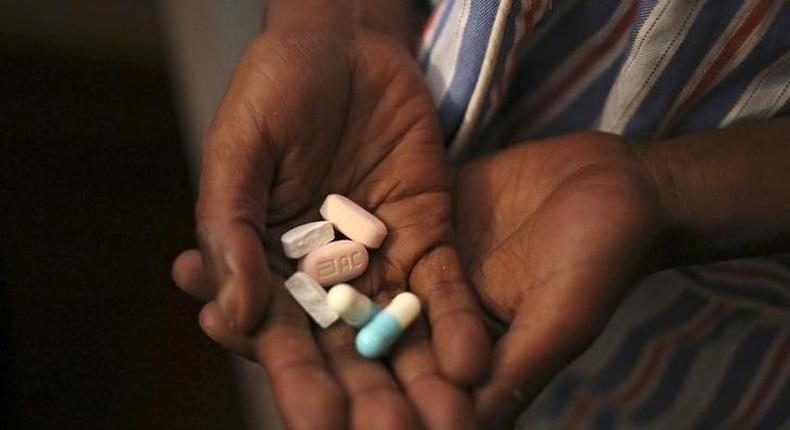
(312,298)
(353,221)
(299,241)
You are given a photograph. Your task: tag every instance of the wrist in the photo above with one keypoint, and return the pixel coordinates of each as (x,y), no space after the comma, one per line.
(724,191)
(398,20)
(673,243)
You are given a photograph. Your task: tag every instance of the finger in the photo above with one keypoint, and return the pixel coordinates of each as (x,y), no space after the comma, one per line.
(189,274)
(440,403)
(375,398)
(236,174)
(459,334)
(538,344)
(307,394)
(236,265)
(215,327)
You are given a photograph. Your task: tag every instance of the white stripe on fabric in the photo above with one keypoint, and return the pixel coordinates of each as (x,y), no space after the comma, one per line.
(500,87)
(479,94)
(444,55)
(656,43)
(765,95)
(746,47)
(429,38)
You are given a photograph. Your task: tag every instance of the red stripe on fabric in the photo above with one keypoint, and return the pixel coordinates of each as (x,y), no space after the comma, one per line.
(528,19)
(688,335)
(564,85)
(752,21)
(768,273)
(579,412)
(428,24)
(767,383)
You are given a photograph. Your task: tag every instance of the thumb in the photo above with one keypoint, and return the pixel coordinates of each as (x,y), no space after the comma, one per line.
(237,172)
(540,342)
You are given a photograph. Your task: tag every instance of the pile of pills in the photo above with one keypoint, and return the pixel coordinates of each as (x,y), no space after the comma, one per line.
(325,262)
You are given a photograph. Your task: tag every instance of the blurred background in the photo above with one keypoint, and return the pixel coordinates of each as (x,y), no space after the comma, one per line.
(102,106)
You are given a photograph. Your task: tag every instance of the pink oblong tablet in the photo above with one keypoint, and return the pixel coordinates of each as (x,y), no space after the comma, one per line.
(335,262)
(352,220)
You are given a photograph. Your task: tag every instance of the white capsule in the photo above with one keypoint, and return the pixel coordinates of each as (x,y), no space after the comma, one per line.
(299,241)
(311,296)
(352,220)
(355,308)
(386,327)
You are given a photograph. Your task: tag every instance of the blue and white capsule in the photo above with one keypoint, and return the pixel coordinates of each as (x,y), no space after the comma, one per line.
(385,328)
(355,308)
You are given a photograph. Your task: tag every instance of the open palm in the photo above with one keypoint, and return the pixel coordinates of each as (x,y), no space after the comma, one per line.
(551,233)
(305,116)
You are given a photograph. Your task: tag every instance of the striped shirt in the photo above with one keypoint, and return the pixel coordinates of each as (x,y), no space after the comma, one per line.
(701,347)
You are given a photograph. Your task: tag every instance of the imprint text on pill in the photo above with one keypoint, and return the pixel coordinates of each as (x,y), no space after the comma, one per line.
(335,262)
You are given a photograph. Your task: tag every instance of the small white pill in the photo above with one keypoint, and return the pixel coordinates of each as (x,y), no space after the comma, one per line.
(312,298)
(299,241)
(355,308)
(386,327)
(352,220)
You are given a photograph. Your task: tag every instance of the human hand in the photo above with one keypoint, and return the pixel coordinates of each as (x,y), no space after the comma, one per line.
(307,114)
(551,234)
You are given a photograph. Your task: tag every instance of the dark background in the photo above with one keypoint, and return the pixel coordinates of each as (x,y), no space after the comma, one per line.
(95,202)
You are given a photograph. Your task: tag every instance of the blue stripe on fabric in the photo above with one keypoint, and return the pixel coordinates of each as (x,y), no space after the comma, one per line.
(508,42)
(561,391)
(470,61)
(672,380)
(586,18)
(712,108)
(739,374)
(682,310)
(583,113)
(772,298)
(778,414)
(603,421)
(709,24)
(425,62)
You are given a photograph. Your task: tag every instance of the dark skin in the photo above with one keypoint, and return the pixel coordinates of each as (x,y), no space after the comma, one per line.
(551,233)
(282,139)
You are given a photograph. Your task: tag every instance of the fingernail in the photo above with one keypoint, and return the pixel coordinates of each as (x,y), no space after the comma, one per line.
(208,323)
